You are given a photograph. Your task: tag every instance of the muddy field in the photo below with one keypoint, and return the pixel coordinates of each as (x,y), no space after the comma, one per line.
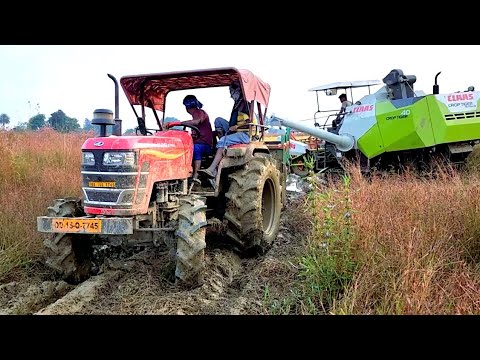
(143,284)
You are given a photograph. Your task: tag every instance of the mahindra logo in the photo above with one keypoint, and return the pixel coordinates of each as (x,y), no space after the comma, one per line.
(98,143)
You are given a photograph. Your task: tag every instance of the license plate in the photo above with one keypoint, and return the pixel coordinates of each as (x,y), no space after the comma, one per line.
(89,226)
(102,184)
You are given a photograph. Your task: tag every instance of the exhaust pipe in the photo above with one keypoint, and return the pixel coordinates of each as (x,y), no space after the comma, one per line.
(117,128)
(343,142)
(436,87)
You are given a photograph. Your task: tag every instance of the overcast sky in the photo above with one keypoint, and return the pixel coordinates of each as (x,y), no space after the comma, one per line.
(73,78)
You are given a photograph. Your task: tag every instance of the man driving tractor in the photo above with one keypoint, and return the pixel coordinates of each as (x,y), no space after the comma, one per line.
(203,142)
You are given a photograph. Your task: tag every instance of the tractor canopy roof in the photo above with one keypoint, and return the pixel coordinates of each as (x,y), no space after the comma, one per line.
(151,89)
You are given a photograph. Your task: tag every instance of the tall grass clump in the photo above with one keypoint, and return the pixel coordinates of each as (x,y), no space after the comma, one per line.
(35,168)
(329,262)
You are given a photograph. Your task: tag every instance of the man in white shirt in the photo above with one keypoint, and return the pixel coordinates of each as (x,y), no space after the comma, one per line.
(341,114)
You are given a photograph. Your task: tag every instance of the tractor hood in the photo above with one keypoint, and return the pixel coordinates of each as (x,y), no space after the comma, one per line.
(150,90)
(167,141)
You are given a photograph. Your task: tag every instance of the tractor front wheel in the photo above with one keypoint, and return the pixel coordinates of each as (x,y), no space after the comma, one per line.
(69,255)
(191,242)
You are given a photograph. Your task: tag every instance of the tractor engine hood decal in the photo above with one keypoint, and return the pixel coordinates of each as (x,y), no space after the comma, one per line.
(166,155)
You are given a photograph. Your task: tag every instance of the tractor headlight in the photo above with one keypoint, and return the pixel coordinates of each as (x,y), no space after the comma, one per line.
(88,159)
(123,158)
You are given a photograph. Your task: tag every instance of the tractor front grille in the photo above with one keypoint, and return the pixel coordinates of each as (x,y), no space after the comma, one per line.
(112,198)
(102,196)
(112,187)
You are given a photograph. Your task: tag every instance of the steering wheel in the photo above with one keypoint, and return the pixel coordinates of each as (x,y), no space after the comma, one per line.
(147,131)
(196,133)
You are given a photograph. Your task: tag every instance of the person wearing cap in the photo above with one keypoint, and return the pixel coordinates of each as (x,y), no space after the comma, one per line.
(202,144)
(238,128)
(345,103)
(222,127)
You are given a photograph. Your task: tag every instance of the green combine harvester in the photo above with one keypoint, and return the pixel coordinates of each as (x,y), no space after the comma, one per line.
(395,126)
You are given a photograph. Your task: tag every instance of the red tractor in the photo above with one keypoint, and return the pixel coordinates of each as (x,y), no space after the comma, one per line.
(136,189)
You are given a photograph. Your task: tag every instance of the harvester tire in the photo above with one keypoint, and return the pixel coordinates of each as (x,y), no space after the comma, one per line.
(69,255)
(191,244)
(298,167)
(254,206)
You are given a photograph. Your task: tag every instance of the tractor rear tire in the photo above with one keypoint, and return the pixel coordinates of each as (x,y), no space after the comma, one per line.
(191,243)
(254,206)
(69,255)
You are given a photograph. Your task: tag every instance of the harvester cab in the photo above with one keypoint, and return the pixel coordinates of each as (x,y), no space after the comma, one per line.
(398,125)
(312,153)
(136,188)
(349,88)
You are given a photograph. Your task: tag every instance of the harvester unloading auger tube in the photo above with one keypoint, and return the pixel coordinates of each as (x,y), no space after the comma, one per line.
(344,142)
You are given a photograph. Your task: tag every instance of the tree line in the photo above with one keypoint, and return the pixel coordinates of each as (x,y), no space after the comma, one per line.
(57,120)
(62,123)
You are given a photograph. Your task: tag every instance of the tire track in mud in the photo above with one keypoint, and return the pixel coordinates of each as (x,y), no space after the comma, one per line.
(147,290)
(222,267)
(25,298)
(136,286)
(248,291)
(51,297)
(80,297)
(143,287)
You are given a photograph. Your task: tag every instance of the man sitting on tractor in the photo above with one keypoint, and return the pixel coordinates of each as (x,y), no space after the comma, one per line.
(238,128)
(203,142)
(221,127)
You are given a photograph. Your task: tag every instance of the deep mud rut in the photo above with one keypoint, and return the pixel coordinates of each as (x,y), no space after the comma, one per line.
(142,284)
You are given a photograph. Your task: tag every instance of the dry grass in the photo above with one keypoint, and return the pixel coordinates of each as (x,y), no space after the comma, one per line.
(35,168)
(413,244)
